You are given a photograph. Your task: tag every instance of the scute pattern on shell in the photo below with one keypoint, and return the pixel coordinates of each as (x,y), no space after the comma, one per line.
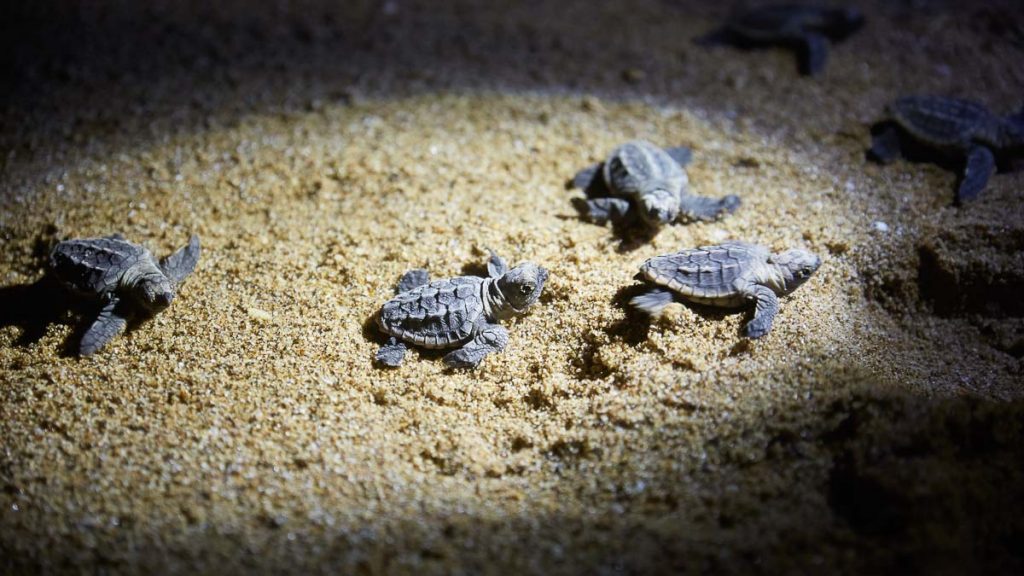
(941,121)
(438,315)
(94,266)
(706,272)
(634,164)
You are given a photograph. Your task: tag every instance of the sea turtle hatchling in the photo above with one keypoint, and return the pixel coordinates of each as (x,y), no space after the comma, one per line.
(460,312)
(730,275)
(949,129)
(649,184)
(808,29)
(124,277)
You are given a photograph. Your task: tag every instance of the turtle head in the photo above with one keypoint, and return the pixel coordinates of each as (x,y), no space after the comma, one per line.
(658,207)
(522,285)
(796,266)
(154,292)
(842,22)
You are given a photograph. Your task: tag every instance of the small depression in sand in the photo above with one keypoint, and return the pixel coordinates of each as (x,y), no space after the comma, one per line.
(249,415)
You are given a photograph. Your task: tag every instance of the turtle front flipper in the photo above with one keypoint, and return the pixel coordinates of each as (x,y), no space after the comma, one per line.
(180,264)
(413,279)
(885,144)
(764,313)
(601,210)
(107,325)
(392,353)
(496,265)
(653,302)
(693,207)
(980,166)
(813,54)
(589,178)
(493,338)
(681,154)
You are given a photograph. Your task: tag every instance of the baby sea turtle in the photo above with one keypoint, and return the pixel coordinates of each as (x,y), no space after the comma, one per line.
(458,312)
(960,131)
(730,275)
(124,277)
(646,183)
(807,29)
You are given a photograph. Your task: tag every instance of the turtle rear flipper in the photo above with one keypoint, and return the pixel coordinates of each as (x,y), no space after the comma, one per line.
(653,302)
(180,264)
(107,325)
(981,163)
(392,353)
(722,36)
(813,54)
(885,144)
(493,338)
(693,207)
(412,279)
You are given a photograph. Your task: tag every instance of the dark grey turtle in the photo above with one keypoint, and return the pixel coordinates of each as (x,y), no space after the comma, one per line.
(730,275)
(961,131)
(123,276)
(458,312)
(808,29)
(648,184)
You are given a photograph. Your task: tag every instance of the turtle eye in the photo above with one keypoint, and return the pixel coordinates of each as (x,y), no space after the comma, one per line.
(526,288)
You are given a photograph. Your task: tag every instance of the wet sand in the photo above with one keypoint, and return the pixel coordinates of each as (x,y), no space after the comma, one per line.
(319,155)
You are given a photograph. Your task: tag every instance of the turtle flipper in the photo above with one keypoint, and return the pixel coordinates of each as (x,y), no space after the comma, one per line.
(180,264)
(493,338)
(980,166)
(652,302)
(107,325)
(717,37)
(813,54)
(693,207)
(885,144)
(681,154)
(412,279)
(601,210)
(588,177)
(764,314)
(496,265)
(392,353)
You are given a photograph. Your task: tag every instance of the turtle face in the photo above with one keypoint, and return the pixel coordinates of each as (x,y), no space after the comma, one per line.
(522,285)
(658,207)
(155,293)
(796,267)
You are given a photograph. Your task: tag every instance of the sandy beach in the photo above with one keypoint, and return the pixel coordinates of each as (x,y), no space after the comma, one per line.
(321,151)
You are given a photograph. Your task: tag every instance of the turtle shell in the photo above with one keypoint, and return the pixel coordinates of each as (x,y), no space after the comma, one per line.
(634,167)
(94,266)
(708,273)
(441,314)
(940,121)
